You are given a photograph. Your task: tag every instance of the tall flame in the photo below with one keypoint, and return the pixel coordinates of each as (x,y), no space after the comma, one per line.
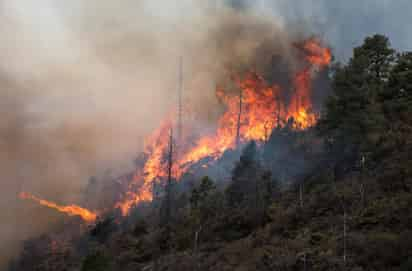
(300,106)
(258,118)
(263,109)
(154,168)
(71,210)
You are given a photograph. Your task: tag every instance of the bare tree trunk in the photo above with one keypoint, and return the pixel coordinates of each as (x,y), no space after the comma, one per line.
(362,184)
(180,102)
(278,111)
(301,195)
(196,247)
(304,261)
(169,177)
(279,105)
(239,118)
(196,243)
(344,238)
(165,210)
(362,194)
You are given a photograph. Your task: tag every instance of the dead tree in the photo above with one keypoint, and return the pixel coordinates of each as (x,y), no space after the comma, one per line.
(180,102)
(301,194)
(304,260)
(344,235)
(268,129)
(361,182)
(196,247)
(166,205)
(169,179)
(239,116)
(163,236)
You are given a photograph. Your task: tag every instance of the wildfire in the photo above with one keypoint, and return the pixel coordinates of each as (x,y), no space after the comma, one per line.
(71,210)
(316,54)
(155,148)
(257,120)
(132,198)
(300,106)
(255,110)
(262,111)
(262,108)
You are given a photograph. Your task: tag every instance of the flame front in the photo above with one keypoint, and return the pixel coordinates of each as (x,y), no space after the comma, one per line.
(154,168)
(263,109)
(258,118)
(71,210)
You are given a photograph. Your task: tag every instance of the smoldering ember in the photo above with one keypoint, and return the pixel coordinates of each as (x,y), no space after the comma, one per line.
(224,135)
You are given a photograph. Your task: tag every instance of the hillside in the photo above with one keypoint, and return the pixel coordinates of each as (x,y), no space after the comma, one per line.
(336,196)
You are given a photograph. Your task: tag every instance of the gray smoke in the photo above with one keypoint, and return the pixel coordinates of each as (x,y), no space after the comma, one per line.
(344,24)
(83,82)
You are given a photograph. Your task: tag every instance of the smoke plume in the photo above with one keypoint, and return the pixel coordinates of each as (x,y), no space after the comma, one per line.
(83,82)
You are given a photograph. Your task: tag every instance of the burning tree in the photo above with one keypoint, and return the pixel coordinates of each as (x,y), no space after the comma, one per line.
(249,116)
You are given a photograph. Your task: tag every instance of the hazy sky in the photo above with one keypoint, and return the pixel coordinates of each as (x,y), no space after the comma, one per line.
(345,23)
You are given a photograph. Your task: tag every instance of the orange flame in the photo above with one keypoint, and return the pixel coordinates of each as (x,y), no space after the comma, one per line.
(316,54)
(262,110)
(300,107)
(71,210)
(155,147)
(258,118)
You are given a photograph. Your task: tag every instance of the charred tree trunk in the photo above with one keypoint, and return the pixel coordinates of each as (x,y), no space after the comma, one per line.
(362,183)
(169,179)
(304,259)
(196,247)
(278,112)
(180,102)
(239,116)
(344,237)
(166,203)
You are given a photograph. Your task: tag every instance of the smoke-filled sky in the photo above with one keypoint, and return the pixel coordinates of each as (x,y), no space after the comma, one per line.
(344,23)
(83,81)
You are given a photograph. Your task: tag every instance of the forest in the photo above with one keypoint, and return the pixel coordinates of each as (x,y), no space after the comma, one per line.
(334,196)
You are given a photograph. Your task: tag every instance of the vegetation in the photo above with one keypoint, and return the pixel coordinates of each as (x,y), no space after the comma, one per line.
(335,197)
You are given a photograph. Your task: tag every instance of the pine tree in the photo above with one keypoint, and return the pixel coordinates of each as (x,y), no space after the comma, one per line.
(395,148)
(244,176)
(353,117)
